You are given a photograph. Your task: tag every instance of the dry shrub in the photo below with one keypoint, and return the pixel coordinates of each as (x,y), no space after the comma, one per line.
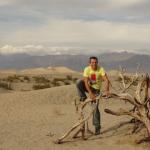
(6,86)
(40,86)
(41,80)
(127,80)
(26,78)
(13,78)
(69,77)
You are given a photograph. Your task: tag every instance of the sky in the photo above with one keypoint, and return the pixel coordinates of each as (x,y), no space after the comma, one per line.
(74,26)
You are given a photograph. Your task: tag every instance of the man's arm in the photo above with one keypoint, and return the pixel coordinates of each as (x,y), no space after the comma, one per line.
(92,95)
(107,84)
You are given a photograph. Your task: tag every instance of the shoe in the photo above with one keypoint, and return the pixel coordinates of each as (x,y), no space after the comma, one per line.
(97,130)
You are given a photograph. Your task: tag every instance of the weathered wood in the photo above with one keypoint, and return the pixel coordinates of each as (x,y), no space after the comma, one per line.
(122,112)
(134,79)
(141,105)
(146,94)
(81,122)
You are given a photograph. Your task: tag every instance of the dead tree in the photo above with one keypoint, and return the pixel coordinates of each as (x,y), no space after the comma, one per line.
(140,100)
(82,120)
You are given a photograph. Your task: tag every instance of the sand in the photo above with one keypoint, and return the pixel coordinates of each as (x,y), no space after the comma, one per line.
(33,120)
(47,70)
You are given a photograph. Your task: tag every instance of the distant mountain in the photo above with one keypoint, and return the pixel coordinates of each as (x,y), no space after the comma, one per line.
(116,56)
(75,62)
(131,63)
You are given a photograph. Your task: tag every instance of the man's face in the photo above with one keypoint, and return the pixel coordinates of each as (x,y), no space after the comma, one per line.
(93,64)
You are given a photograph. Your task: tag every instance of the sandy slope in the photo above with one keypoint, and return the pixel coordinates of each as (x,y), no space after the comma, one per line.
(33,120)
(37,71)
(48,70)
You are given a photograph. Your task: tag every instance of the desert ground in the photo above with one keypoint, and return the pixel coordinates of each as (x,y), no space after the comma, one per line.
(37,107)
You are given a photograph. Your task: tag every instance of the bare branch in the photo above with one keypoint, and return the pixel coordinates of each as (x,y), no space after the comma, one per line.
(138,91)
(126,97)
(147,101)
(74,127)
(141,106)
(122,112)
(133,80)
(122,71)
(85,103)
(146,94)
(82,121)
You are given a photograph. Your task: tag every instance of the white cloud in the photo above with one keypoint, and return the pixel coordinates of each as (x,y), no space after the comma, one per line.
(35,49)
(38,47)
(61,25)
(79,3)
(6,2)
(9,49)
(125,3)
(96,34)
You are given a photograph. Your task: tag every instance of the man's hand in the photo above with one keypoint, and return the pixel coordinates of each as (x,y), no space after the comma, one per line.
(106,94)
(92,96)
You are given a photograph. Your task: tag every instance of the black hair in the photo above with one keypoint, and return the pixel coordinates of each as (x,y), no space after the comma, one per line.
(93,57)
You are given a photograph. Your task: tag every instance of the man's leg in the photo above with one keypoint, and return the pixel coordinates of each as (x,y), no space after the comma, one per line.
(81,89)
(96,115)
(96,119)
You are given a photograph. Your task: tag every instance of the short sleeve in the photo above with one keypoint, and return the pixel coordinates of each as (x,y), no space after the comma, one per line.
(102,72)
(86,72)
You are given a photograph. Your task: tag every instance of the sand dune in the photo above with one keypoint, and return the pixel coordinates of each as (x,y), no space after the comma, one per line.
(33,120)
(37,71)
(9,71)
(5,73)
(49,70)
(63,96)
(62,69)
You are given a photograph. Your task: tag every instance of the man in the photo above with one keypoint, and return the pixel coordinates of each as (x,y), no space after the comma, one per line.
(92,83)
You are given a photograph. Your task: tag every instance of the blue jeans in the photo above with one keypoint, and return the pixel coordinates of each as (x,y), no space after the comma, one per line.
(82,94)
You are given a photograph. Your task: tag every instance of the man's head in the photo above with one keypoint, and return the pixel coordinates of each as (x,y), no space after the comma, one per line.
(93,61)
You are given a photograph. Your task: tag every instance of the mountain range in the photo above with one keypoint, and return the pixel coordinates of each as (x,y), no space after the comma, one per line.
(109,61)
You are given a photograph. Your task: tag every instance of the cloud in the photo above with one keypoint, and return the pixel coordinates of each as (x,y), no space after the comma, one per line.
(79,3)
(36,50)
(9,49)
(74,24)
(127,3)
(77,33)
(6,2)
(40,50)
(41,10)
(35,13)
